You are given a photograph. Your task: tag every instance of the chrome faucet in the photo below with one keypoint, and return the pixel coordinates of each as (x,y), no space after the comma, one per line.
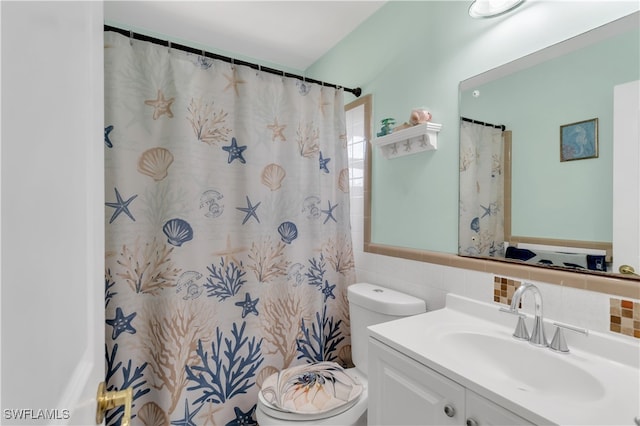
(538,337)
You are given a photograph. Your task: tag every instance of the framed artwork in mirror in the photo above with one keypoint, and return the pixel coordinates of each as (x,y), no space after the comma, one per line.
(579,141)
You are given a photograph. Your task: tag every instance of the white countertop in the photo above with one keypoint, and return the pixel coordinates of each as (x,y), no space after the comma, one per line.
(597,383)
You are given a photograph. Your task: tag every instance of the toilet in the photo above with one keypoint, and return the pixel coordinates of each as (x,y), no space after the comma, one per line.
(369,304)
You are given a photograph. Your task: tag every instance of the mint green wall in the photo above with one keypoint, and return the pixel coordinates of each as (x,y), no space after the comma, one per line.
(413,54)
(567,200)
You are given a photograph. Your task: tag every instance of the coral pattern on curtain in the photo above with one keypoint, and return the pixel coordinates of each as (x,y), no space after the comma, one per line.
(228,246)
(481,224)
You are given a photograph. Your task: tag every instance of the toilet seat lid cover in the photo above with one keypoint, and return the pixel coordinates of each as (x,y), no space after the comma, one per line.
(316,388)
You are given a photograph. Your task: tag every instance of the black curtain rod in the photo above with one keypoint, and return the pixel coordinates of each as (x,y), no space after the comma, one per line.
(471,120)
(357,91)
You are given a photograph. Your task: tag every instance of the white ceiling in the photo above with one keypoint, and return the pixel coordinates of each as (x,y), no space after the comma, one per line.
(291,34)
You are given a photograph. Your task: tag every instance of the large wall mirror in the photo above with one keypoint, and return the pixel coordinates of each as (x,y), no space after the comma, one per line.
(546,186)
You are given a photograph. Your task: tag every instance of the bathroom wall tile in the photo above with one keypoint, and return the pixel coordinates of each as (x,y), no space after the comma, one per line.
(479,286)
(614,307)
(373,262)
(356,205)
(418,279)
(357,233)
(418,272)
(467,263)
(554,308)
(622,288)
(388,272)
(563,277)
(431,282)
(453,280)
(357,241)
(585,309)
(364,274)
(506,269)
(434,276)
(435,298)
(624,316)
(590,312)
(503,289)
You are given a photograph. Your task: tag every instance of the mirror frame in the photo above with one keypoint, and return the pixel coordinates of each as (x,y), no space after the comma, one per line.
(617,285)
(597,34)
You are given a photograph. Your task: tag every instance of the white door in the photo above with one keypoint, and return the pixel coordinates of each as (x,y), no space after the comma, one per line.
(626,175)
(52,229)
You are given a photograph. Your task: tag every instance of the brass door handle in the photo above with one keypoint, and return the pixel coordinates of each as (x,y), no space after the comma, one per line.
(627,270)
(109,400)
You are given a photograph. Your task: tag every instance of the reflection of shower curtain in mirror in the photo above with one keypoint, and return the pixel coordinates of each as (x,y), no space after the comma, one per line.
(228,246)
(481,224)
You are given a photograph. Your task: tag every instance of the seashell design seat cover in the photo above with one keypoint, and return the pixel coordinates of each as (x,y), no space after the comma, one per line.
(311,389)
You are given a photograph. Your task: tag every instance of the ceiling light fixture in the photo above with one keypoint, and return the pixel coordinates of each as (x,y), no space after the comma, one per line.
(491,8)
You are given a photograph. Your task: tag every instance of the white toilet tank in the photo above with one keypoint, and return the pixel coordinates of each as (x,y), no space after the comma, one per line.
(371,304)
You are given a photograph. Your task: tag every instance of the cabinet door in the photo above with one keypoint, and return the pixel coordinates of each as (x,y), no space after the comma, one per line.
(480,412)
(405,392)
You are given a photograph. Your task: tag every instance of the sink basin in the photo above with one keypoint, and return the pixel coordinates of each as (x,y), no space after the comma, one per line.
(525,367)
(471,343)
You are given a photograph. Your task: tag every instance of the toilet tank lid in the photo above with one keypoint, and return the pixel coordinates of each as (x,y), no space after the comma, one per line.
(385,301)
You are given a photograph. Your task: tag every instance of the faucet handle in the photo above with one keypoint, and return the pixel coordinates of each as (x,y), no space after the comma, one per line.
(511,311)
(559,343)
(521,331)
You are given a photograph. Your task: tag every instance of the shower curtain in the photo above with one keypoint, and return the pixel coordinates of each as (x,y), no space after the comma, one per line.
(481,224)
(228,246)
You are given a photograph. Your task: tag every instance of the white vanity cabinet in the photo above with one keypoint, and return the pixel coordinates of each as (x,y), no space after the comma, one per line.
(480,411)
(404,392)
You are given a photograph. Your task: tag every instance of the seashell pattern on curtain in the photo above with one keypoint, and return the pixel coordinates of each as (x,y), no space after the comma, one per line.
(228,246)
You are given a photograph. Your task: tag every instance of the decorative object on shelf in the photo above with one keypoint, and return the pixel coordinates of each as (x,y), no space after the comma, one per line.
(410,139)
(579,140)
(386,126)
(418,116)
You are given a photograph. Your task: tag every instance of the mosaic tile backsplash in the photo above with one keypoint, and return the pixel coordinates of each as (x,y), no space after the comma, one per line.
(625,317)
(624,314)
(503,289)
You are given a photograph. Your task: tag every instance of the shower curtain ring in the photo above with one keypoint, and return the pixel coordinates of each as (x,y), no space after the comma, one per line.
(169,46)
(130,37)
